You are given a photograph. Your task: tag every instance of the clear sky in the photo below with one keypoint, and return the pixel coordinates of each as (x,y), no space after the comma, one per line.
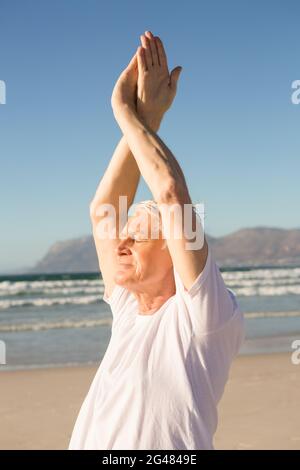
(232,127)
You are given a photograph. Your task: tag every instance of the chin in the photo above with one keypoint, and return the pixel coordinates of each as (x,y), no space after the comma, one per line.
(122,279)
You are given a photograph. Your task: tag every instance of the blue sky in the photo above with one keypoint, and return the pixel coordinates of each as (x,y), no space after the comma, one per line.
(232,127)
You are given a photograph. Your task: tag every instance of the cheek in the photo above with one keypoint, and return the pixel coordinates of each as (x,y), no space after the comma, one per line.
(143,258)
(161,258)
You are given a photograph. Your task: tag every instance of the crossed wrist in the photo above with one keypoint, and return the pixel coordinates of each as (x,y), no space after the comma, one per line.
(154,123)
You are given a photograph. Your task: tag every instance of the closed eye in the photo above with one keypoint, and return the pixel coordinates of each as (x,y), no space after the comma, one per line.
(138,237)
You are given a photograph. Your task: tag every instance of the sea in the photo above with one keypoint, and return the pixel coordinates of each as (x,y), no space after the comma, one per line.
(49,320)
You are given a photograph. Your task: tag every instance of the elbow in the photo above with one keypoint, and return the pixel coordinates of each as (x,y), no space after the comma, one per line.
(92,212)
(101,209)
(93,209)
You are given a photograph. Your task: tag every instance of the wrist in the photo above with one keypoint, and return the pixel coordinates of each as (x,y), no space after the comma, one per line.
(123,108)
(153,123)
(123,113)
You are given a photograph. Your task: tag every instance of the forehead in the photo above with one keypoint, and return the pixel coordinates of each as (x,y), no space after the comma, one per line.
(139,220)
(142,221)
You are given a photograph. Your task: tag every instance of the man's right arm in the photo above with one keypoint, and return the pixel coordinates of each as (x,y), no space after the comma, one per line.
(121,178)
(122,174)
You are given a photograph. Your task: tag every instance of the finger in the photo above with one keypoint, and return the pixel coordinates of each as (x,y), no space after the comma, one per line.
(153,48)
(141,59)
(161,53)
(147,51)
(133,61)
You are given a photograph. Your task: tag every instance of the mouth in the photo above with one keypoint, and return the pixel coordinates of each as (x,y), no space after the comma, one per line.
(125,265)
(122,261)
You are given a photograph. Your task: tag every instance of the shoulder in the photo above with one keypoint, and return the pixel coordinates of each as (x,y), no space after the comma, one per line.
(208,303)
(120,300)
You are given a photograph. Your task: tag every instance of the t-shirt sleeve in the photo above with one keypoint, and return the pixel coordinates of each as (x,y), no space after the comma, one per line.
(117,300)
(209,306)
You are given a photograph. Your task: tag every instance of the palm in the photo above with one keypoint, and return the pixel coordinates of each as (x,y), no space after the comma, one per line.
(153,93)
(145,84)
(156,87)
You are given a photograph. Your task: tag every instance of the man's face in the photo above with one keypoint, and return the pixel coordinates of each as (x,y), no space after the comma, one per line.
(143,260)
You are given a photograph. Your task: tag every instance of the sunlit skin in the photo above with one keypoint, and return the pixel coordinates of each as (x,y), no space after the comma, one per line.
(145,266)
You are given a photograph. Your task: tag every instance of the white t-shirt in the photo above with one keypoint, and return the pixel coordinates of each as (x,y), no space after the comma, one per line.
(162,375)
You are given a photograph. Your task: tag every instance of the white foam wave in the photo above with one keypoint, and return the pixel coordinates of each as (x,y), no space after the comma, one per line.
(284,273)
(48,302)
(54,291)
(267,290)
(55,325)
(14,288)
(252,315)
(107,321)
(261,282)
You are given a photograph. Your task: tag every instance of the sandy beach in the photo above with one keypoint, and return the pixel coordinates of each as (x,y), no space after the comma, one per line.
(259,410)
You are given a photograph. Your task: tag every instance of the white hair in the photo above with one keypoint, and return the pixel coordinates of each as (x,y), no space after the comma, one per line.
(151,207)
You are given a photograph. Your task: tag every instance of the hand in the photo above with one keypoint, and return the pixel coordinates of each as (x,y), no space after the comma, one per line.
(156,88)
(125,89)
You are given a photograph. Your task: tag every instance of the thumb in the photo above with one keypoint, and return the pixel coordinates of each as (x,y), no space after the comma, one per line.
(174,77)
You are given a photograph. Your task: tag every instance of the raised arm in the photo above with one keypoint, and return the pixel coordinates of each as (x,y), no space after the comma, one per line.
(121,178)
(162,173)
(122,175)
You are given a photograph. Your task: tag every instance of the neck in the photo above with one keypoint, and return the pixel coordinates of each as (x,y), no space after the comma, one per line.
(151,300)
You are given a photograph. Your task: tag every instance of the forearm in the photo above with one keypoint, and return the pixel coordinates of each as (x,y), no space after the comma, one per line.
(121,178)
(156,163)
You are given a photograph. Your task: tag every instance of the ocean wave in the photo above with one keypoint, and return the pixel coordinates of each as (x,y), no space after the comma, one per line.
(66,287)
(261,282)
(251,315)
(260,291)
(53,291)
(262,273)
(13,288)
(107,321)
(55,325)
(48,302)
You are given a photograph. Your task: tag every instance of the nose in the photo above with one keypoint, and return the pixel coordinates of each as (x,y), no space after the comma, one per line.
(123,248)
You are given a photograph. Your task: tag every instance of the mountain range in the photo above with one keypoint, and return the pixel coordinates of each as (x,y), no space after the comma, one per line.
(247,247)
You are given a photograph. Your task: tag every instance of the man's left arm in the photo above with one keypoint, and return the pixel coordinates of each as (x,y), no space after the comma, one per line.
(166,181)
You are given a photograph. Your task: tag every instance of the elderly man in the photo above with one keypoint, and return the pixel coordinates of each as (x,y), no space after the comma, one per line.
(176,327)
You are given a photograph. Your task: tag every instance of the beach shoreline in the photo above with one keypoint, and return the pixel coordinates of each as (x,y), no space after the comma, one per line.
(259,409)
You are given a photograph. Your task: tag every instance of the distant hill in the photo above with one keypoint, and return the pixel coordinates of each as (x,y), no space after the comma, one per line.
(259,246)
(69,256)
